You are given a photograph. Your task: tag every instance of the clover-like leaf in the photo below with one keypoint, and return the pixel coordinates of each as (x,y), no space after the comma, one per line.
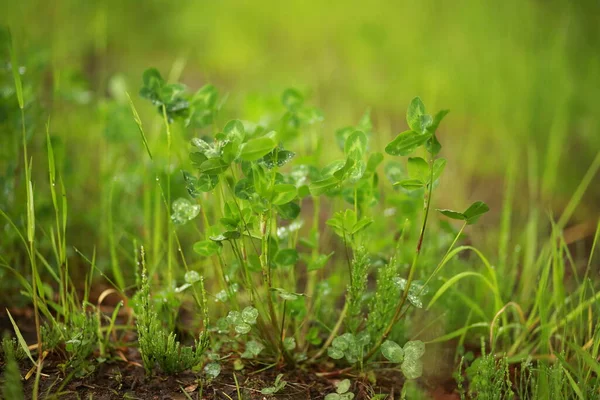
(184,211)
(415,291)
(277,158)
(418,168)
(212,370)
(283,193)
(289,343)
(475,211)
(234,318)
(242,328)
(414,349)
(286,257)
(257,148)
(410,184)
(471,215)
(342,342)
(249,315)
(436,120)
(234,131)
(412,369)
(452,214)
(192,277)
(438,167)
(392,351)
(406,143)
(335,353)
(319,262)
(206,248)
(415,110)
(292,99)
(343,386)
(253,349)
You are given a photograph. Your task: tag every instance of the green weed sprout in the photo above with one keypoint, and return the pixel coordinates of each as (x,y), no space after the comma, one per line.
(157,346)
(342,391)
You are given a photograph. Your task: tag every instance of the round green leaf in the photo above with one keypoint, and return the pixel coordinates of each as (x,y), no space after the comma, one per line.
(206,248)
(249,315)
(453,214)
(335,353)
(412,369)
(286,257)
(289,343)
(415,110)
(212,370)
(405,143)
(283,193)
(242,328)
(192,277)
(414,349)
(292,99)
(343,386)
(475,211)
(184,211)
(392,351)
(257,148)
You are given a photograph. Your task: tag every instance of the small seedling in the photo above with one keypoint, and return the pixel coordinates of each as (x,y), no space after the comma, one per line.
(342,391)
(409,357)
(277,387)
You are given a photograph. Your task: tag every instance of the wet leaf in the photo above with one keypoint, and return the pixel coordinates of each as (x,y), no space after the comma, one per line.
(184,211)
(392,351)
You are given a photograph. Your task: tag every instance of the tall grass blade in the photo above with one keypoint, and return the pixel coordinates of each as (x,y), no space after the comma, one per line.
(20,338)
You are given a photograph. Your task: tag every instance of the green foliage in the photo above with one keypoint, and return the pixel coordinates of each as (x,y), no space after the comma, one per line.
(356,289)
(242,321)
(383,304)
(81,339)
(184,211)
(11,348)
(198,110)
(248,221)
(342,391)
(470,215)
(253,349)
(409,357)
(349,346)
(12,387)
(159,347)
(489,378)
(277,387)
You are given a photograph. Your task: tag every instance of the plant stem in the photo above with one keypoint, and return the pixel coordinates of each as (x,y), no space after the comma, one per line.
(333,333)
(413,267)
(312,275)
(169,232)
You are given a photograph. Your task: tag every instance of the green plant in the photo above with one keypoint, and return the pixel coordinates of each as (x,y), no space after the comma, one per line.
(80,340)
(342,391)
(10,348)
(277,387)
(408,356)
(12,387)
(489,378)
(244,235)
(157,346)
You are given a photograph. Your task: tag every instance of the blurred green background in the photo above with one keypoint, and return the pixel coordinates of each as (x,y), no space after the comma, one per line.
(522,80)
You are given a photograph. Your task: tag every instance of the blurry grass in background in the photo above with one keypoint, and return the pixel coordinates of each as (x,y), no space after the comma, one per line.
(521,79)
